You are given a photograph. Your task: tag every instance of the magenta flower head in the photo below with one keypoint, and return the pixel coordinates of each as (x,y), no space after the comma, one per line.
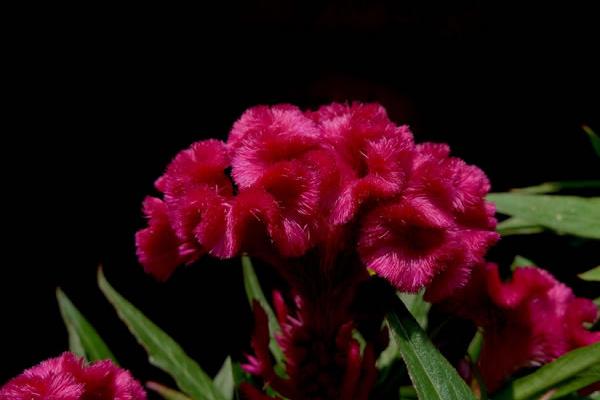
(527,321)
(69,378)
(344,181)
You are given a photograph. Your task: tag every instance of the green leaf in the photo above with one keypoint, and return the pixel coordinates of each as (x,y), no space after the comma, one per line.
(166,392)
(553,187)
(517,226)
(579,381)
(254,292)
(83,338)
(162,350)
(565,214)
(591,275)
(432,375)
(520,262)
(417,306)
(224,380)
(594,138)
(407,393)
(474,348)
(573,371)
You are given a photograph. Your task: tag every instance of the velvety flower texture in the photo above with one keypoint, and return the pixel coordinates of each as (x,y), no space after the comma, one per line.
(527,321)
(288,182)
(68,377)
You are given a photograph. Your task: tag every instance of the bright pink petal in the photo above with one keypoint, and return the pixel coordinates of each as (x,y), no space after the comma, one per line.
(69,378)
(375,156)
(406,244)
(265,136)
(527,321)
(158,245)
(451,184)
(202,164)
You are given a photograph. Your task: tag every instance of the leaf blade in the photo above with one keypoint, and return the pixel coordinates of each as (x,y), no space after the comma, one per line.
(254,292)
(561,371)
(517,226)
(432,375)
(224,380)
(591,275)
(83,338)
(566,214)
(163,351)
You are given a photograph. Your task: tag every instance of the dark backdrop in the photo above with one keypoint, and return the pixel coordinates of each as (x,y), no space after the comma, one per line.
(110,95)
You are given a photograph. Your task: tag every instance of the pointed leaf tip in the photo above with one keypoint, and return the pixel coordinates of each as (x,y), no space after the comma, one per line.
(163,351)
(83,338)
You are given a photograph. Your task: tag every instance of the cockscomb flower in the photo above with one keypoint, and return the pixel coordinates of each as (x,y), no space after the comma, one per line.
(68,377)
(527,321)
(287,182)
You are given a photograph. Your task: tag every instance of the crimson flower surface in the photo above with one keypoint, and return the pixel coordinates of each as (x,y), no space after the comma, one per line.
(68,377)
(288,183)
(527,321)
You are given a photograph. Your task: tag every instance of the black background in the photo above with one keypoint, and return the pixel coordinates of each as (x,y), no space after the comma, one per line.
(106,96)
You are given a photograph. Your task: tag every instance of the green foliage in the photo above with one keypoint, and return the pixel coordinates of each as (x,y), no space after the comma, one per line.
(432,376)
(162,350)
(573,371)
(83,338)
(565,214)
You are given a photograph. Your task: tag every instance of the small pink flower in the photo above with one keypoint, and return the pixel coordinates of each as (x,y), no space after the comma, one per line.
(527,321)
(70,378)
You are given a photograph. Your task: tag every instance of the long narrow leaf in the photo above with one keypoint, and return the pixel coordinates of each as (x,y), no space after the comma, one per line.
(417,306)
(83,338)
(432,375)
(579,381)
(254,292)
(517,226)
(562,371)
(162,350)
(565,214)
